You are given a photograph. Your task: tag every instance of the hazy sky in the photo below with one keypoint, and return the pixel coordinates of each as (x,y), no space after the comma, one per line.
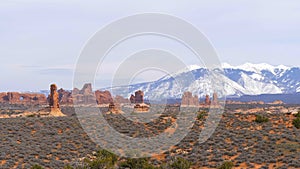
(40,40)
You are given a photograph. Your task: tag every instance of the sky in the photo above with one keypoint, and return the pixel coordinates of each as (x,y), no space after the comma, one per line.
(40,41)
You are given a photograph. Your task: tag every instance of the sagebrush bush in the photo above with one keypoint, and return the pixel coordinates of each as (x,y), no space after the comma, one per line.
(137,164)
(296,122)
(180,163)
(36,166)
(261,119)
(201,115)
(226,165)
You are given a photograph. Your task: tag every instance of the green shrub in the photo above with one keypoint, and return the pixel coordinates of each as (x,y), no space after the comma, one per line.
(36,166)
(107,155)
(201,115)
(104,160)
(226,165)
(296,122)
(261,119)
(298,114)
(180,163)
(136,163)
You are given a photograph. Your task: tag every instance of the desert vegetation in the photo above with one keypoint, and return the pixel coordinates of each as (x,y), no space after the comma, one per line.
(296,122)
(60,142)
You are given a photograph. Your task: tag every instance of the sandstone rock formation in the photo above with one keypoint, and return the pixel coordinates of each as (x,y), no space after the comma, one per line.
(120,99)
(103,97)
(64,97)
(114,107)
(207,100)
(86,96)
(54,102)
(86,89)
(215,100)
(141,107)
(132,99)
(23,98)
(53,99)
(189,100)
(138,97)
(138,100)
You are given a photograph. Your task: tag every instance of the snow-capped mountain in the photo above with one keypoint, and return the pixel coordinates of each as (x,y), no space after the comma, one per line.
(246,79)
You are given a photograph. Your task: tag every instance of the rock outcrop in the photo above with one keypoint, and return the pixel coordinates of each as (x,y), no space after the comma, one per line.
(138,100)
(138,97)
(189,100)
(141,107)
(120,99)
(207,100)
(215,100)
(53,99)
(86,89)
(65,97)
(23,98)
(103,97)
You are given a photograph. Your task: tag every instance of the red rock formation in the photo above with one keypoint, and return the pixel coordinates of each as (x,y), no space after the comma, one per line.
(138,97)
(141,107)
(132,99)
(120,99)
(103,97)
(207,100)
(53,109)
(22,98)
(189,100)
(215,100)
(65,97)
(84,96)
(87,96)
(53,97)
(75,91)
(86,89)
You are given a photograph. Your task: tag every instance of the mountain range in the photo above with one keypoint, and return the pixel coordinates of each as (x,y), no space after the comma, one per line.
(246,79)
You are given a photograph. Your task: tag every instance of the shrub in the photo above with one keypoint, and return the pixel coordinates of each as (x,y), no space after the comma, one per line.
(296,122)
(36,166)
(108,155)
(201,115)
(180,163)
(226,165)
(261,119)
(298,114)
(136,164)
(105,159)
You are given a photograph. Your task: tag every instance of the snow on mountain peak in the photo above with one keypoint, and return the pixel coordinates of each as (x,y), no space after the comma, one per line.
(257,68)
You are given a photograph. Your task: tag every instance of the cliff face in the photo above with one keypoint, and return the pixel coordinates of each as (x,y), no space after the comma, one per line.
(22,98)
